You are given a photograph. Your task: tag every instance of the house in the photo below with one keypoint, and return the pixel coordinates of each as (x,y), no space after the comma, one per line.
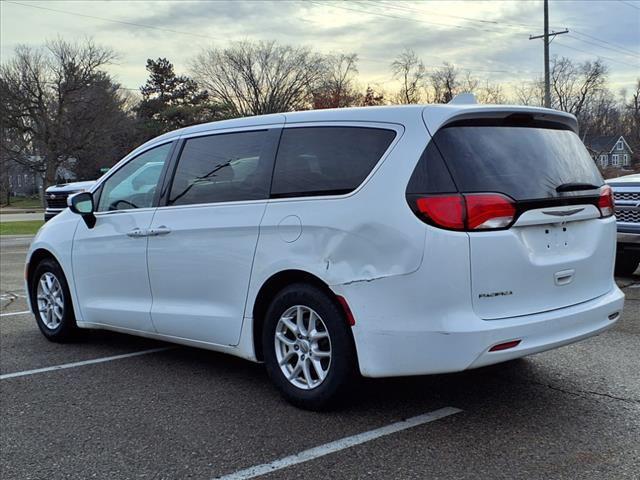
(610,151)
(24,181)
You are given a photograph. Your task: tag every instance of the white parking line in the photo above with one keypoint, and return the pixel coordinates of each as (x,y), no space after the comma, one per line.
(341,444)
(14,313)
(80,364)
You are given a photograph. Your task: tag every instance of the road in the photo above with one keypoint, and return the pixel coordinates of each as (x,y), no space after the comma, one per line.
(186,413)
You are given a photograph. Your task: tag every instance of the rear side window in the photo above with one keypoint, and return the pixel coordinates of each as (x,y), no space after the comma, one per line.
(431,174)
(327,160)
(223,168)
(526,163)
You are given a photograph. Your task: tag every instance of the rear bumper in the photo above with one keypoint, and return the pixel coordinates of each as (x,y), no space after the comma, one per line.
(398,353)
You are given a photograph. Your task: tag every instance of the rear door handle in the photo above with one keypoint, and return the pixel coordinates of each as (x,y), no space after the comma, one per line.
(137,233)
(161,230)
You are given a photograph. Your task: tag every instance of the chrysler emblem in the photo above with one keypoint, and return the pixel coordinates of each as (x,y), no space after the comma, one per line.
(562,213)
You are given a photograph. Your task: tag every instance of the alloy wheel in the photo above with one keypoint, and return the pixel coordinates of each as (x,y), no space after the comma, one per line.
(303,347)
(50,301)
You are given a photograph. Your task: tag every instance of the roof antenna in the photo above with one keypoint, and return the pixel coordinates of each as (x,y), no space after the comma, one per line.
(463,99)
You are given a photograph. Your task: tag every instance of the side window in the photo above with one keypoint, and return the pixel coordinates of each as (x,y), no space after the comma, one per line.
(222,168)
(327,160)
(134,185)
(431,174)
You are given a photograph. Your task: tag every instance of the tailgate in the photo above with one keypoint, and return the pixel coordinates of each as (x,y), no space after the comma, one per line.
(558,249)
(541,266)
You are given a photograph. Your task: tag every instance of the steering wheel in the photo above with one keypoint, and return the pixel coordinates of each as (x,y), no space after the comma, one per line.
(114,205)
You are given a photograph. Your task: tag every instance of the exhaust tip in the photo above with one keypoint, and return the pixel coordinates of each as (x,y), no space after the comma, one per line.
(614,316)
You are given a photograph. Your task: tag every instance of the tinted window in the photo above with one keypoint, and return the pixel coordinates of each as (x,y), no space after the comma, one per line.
(134,185)
(523,162)
(431,174)
(327,160)
(223,168)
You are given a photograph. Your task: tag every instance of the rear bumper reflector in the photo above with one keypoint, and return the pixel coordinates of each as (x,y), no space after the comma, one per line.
(347,311)
(504,346)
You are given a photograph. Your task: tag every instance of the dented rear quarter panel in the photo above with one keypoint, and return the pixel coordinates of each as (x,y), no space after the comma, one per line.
(363,236)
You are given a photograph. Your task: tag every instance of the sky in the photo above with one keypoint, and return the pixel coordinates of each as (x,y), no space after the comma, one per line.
(488,38)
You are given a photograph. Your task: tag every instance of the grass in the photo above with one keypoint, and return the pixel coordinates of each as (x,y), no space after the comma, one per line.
(24,202)
(20,228)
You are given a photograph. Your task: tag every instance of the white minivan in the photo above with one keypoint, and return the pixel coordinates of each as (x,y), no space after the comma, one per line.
(384,241)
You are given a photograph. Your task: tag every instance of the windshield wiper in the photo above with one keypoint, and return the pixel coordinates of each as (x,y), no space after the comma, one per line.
(573,187)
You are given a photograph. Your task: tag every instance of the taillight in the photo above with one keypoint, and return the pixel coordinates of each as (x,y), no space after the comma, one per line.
(445,211)
(487,211)
(605,202)
(476,211)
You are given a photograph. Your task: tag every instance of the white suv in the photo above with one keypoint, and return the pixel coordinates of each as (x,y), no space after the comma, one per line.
(384,240)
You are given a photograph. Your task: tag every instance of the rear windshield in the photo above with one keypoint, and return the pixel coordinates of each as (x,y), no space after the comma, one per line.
(523,162)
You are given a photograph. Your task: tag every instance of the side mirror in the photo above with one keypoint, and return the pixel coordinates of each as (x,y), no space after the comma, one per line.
(82,204)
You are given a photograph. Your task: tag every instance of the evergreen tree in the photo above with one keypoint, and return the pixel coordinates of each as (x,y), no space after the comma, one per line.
(171,101)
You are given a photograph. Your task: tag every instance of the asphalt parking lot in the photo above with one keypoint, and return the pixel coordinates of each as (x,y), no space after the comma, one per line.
(185,413)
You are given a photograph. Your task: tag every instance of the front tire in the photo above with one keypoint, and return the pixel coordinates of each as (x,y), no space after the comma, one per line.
(308,348)
(51,302)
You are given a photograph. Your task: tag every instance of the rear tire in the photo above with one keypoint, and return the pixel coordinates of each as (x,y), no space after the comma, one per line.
(627,263)
(51,302)
(308,348)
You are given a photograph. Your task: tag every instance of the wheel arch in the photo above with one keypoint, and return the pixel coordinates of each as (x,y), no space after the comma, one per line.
(270,288)
(36,257)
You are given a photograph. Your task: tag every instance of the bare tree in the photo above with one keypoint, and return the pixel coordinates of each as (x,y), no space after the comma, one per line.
(490,93)
(530,93)
(56,102)
(574,85)
(257,78)
(446,84)
(337,88)
(632,118)
(602,116)
(410,70)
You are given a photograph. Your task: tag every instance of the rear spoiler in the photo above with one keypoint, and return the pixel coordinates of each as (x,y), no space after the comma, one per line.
(438,116)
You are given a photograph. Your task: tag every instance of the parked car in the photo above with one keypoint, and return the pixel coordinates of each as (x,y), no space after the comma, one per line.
(56,197)
(626,194)
(387,241)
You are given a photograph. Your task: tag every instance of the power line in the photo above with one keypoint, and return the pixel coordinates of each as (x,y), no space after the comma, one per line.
(602,46)
(132,24)
(415,10)
(519,26)
(631,52)
(591,53)
(387,15)
(501,23)
(408,19)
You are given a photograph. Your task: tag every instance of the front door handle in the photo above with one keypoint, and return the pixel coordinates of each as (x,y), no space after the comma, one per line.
(137,233)
(161,230)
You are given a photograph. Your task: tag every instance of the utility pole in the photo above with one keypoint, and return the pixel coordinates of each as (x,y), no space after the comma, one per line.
(545,37)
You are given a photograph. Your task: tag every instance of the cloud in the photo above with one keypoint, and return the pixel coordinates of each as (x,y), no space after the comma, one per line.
(489,38)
